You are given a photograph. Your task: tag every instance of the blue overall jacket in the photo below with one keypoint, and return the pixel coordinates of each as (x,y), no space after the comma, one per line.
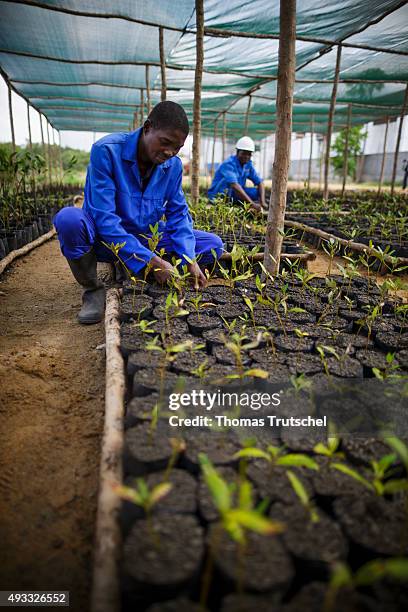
(231,171)
(121,210)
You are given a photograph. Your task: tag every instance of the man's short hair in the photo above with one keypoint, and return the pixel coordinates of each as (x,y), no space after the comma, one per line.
(171,115)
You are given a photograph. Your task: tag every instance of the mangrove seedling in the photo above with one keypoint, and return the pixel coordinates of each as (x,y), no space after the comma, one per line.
(381,482)
(303,496)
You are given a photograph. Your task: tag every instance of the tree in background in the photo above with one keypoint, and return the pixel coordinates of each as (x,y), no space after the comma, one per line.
(355,140)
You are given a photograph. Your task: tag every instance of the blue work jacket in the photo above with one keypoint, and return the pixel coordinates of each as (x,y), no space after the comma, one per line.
(230,172)
(121,210)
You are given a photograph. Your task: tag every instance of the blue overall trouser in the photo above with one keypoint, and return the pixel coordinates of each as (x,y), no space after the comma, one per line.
(77,235)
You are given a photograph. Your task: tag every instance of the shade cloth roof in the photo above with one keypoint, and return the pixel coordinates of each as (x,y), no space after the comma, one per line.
(83,63)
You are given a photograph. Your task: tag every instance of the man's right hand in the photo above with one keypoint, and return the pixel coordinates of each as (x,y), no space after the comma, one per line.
(162,269)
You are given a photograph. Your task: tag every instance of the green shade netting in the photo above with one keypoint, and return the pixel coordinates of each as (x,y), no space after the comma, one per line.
(85,71)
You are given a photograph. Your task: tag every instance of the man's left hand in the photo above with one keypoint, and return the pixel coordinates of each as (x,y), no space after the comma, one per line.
(197,277)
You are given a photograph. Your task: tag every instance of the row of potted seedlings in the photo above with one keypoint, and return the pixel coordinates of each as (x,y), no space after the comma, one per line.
(230,518)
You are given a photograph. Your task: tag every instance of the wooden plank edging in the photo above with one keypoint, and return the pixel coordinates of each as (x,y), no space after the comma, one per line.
(6,261)
(105,596)
(355,246)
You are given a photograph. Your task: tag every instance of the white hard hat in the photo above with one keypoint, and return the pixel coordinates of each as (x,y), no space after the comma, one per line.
(245,144)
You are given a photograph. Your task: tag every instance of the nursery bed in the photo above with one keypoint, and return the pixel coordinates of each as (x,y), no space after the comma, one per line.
(185,519)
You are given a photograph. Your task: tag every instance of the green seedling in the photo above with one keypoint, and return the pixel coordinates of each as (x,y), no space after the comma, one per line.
(275,457)
(392,369)
(395,568)
(303,496)
(331,248)
(322,350)
(236,519)
(330,449)
(380,482)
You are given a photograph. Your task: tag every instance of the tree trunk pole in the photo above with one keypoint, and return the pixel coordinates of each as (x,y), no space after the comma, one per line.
(134,126)
(162,65)
(198,77)
(397,146)
(309,170)
(384,153)
(148,100)
(10,105)
(224,135)
(346,151)
(30,140)
(330,124)
(49,151)
(60,157)
(213,148)
(141,106)
(248,110)
(284,104)
(42,139)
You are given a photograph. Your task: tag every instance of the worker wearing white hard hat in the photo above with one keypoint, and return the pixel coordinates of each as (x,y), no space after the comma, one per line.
(231,177)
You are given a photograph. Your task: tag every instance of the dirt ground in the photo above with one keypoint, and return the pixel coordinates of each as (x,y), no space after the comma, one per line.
(51,416)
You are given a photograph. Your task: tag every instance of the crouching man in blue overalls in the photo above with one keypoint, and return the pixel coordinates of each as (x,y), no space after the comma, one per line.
(231,176)
(134,179)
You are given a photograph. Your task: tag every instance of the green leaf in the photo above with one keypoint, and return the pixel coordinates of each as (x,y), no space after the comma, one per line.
(298,488)
(400,448)
(250,519)
(395,486)
(257,373)
(253,453)
(129,494)
(159,491)
(341,576)
(353,474)
(245,495)
(217,486)
(297,460)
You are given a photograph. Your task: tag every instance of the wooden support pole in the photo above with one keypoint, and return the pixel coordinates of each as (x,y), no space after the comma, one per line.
(198,77)
(148,100)
(134,124)
(397,145)
(43,141)
(162,65)
(213,148)
(284,103)
(10,105)
(309,170)
(248,110)
(330,124)
(30,140)
(49,151)
(61,165)
(141,106)
(224,135)
(346,149)
(384,153)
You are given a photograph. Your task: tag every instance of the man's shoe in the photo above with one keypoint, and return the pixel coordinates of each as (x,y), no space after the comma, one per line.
(93,306)
(93,298)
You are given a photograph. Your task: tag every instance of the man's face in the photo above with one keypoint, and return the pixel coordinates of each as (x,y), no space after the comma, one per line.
(162,144)
(243,156)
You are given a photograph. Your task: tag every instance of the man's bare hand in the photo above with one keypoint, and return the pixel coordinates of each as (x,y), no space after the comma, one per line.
(162,269)
(197,277)
(256,207)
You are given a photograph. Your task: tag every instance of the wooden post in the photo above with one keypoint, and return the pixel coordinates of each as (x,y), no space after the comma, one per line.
(397,146)
(162,65)
(42,141)
(309,170)
(30,140)
(346,151)
(49,151)
(60,157)
(141,106)
(148,100)
(10,105)
(198,77)
(213,148)
(134,125)
(224,135)
(384,153)
(248,110)
(284,104)
(330,124)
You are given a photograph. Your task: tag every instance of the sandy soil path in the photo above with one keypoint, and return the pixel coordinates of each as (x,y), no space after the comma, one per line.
(51,421)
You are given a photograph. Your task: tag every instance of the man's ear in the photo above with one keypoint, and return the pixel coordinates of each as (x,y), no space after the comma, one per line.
(147,126)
